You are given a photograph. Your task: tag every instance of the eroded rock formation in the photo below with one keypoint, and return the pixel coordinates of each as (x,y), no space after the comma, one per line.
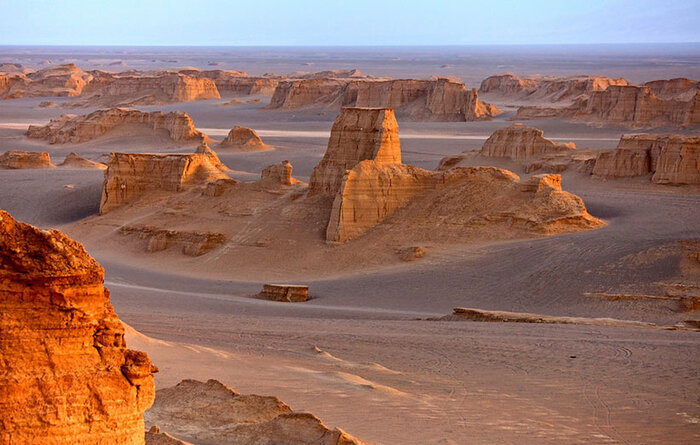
(75,161)
(357,134)
(203,148)
(543,88)
(236,82)
(15,159)
(82,128)
(288,293)
(520,143)
(672,159)
(278,174)
(243,139)
(67,376)
(56,81)
(130,175)
(212,412)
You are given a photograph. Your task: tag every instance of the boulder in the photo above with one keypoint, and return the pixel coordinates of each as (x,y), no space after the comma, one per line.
(357,134)
(243,139)
(75,161)
(25,159)
(82,128)
(289,293)
(67,375)
(130,175)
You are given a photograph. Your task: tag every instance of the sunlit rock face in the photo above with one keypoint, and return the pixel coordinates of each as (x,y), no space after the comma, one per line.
(520,143)
(67,376)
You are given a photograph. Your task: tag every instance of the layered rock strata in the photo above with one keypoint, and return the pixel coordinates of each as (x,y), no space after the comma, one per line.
(545,89)
(67,376)
(521,143)
(57,81)
(357,134)
(130,175)
(15,159)
(82,128)
(243,139)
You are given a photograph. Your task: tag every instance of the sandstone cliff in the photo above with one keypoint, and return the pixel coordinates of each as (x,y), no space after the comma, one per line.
(130,175)
(521,143)
(67,376)
(543,88)
(243,139)
(56,81)
(212,412)
(672,159)
(25,159)
(459,199)
(235,82)
(357,134)
(82,128)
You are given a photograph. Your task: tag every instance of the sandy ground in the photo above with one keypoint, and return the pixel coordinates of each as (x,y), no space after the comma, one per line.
(380,372)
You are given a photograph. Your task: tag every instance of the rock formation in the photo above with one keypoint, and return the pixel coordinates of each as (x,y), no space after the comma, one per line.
(25,159)
(458,198)
(130,175)
(680,89)
(67,376)
(75,161)
(672,159)
(190,243)
(438,100)
(212,412)
(521,143)
(56,81)
(278,174)
(243,139)
(544,89)
(357,134)
(203,148)
(76,129)
(288,293)
(235,82)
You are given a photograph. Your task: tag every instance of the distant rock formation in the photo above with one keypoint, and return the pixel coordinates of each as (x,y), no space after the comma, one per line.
(243,139)
(544,88)
(15,159)
(672,159)
(82,128)
(357,134)
(190,243)
(212,412)
(57,81)
(278,174)
(130,175)
(436,100)
(458,198)
(67,376)
(75,161)
(235,82)
(521,143)
(203,148)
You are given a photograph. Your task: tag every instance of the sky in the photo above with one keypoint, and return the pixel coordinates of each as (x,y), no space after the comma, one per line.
(346,22)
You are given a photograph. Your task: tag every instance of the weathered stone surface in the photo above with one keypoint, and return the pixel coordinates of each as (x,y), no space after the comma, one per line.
(289,293)
(545,88)
(371,192)
(291,94)
(278,174)
(82,128)
(75,161)
(236,82)
(214,413)
(204,149)
(130,175)
(15,159)
(190,243)
(680,89)
(673,159)
(243,139)
(57,81)
(358,134)
(521,143)
(67,376)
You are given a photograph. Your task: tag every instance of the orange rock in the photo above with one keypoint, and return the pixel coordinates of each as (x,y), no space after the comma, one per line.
(203,148)
(520,143)
(62,80)
(243,139)
(67,376)
(278,174)
(544,88)
(75,161)
(76,129)
(236,82)
(25,159)
(358,134)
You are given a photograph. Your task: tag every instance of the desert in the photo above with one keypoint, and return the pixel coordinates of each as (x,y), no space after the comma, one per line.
(349,244)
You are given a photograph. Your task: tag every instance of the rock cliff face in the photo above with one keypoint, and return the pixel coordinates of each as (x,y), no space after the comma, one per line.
(545,89)
(235,83)
(438,100)
(357,134)
(672,159)
(243,139)
(130,175)
(56,81)
(521,143)
(76,129)
(680,89)
(212,412)
(75,161)
(460,198)
(25,159)
(67,376)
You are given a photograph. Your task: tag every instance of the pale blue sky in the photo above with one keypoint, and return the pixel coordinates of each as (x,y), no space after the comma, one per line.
(346,22)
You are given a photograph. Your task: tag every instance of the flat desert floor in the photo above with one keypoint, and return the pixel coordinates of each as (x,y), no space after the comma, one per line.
(362,354)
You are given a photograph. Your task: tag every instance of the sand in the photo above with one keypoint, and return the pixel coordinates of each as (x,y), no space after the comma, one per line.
(360,353)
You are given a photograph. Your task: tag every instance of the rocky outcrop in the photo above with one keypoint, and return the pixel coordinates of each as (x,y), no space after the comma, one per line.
(437,100)
(680,89)
(288,293)
(672,159)
(82,128)
(75,161)
(458,198)
(67,376)
(204,149)
(278,174)
(544,89)
(15,159)
(130,175)
(236,83)
(520,143)
(357,134)
(212,412)
(190,243)
(243,139)
(56,81)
